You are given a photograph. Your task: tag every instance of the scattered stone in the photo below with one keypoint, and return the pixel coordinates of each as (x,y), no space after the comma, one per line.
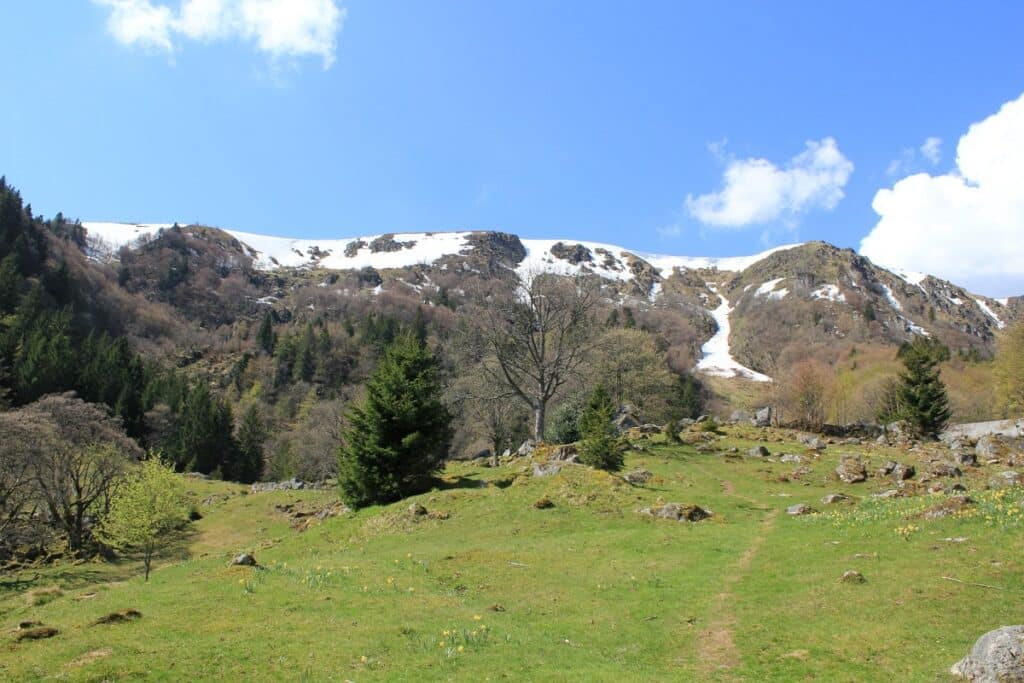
(496,608)
(37,633)
(956,539)
(851,469)
(998,656)
(417,510)
(1007,478)
(853,576)
(891,493)
(812,442)
(245,560)
(888,468)
(565,453)
(197,475)
(834,498)
(543,503)
(546,469)
(677,512)
(790,457)
(289,485)
(119,617)
(967,458)
(799,509)
(637,476)
(527,448)
(990,447)
(945,470)
(626,418)
(950,506)
(438,514)
(758,452)
(740,416)
(903,472)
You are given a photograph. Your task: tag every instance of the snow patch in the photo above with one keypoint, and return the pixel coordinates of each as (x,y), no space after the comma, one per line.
(990,313)
(891,299)
(828,292)
(716,359)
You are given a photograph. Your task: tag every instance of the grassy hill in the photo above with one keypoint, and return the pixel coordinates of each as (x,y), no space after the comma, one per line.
(486,586)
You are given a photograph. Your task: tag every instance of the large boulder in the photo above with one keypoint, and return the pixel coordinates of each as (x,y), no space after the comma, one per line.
(677,512)
(527,448)
(851,469)
(997,657)
(758,452)
(763,417)
(564,453)
(990,447)
(626,418)
(639,476)
(799,509)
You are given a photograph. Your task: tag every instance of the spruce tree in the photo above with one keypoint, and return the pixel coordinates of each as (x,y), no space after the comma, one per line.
(265,335)
(922,395)
(398,434)
(600,446)
(251,436)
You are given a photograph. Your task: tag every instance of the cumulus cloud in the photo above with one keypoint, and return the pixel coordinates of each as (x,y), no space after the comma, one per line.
(966,225)
(757,191)
(911,160)
(280,28)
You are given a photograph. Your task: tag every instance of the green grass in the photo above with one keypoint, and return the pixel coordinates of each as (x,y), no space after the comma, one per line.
(586,590)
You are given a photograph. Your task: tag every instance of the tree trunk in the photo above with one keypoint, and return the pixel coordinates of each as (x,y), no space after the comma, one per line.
(538,421)
(146,562)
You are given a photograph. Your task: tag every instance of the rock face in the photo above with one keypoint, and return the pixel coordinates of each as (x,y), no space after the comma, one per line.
(997,657)
(677,512)
(851,469)
(573,253)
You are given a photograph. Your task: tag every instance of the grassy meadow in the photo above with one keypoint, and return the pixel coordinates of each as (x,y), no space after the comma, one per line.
(488,587)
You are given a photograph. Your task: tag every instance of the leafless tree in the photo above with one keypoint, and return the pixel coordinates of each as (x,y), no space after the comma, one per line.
(539,336)
(492,409)
(21,441)
(85,456)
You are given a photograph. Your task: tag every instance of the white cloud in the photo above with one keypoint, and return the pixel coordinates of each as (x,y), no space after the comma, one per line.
(758,191)
(280,28)
(967,225)
(932,150)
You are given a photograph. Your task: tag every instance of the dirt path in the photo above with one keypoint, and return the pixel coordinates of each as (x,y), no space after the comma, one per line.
(716,648)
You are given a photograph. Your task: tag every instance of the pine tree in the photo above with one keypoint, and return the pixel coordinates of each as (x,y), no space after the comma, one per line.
(251,436)
(205,440)
(922,395)
(305,356)
(265,336)
(398,435)
(600,446)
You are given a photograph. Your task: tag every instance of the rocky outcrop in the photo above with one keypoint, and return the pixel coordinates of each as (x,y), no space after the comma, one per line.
(997,657)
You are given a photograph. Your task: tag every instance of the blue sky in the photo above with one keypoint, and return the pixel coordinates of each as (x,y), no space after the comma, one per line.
(605,121)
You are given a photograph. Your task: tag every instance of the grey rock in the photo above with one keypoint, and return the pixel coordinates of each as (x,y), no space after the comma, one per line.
(245,560)
(904,472)
(990,446)
(833,498)
(851,469)
(677,512)
(527,448)
(763,417)
(799,509)
(1007,478)
(812,442)
(758,452)
(790,457)
(997,657)
(945,470)
(740,416)
(546,469)
(417,510)
(637,476)
(852,576)
(565,453)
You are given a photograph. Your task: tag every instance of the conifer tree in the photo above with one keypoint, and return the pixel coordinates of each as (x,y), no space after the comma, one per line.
(398,434)
(600,446)
(921,394)
(265,336)
(305,356)
(251,436)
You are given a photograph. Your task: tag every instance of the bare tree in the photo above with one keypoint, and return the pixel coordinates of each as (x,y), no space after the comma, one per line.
(77,469)
(805,390)
(539,336)
(493,410)
(21,441)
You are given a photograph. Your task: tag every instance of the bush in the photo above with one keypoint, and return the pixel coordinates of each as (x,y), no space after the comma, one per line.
(601,447)
(564,426)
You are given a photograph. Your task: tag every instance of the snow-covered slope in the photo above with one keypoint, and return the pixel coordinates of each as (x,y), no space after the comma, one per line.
(408,249)
(716,358)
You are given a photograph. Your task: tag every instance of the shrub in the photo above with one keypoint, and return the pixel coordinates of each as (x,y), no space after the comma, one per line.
(601,447)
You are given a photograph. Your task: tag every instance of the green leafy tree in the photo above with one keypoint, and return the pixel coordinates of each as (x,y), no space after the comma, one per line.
(600,446)
(922,395)
(144,509)
(398,434)
(1010,370)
